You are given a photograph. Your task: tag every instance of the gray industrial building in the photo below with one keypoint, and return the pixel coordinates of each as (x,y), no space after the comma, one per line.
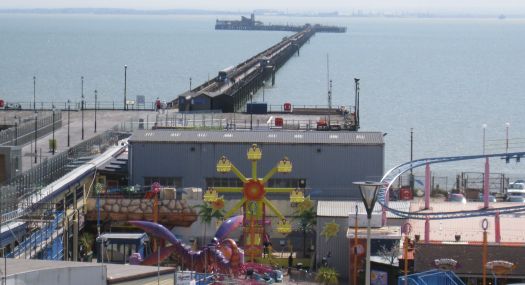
(328,161)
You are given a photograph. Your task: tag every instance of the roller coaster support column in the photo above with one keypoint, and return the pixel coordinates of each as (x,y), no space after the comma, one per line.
(387,198)
(497,227)
(427,230)
(486,183)
(484,225)
(427,186)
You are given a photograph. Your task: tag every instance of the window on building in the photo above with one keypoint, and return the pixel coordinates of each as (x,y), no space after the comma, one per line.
(235,182)
(175,182)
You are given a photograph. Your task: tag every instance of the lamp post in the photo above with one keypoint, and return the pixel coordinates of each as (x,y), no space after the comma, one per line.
(95,111)
(82,105)
(68,120)
(190,83)
(36,135)
(125,86)
(53,143)
(34,93)
(368,192)
(507,125)
(16,133)
(484,126)
(251,110)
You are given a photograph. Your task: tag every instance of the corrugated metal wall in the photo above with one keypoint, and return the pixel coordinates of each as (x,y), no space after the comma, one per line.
(338,245)
(328,169)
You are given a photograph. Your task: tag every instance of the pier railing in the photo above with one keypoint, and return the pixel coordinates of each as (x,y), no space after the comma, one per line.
(23,130)
(88,105)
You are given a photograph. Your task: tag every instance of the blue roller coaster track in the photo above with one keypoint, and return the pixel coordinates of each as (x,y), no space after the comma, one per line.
(391,176)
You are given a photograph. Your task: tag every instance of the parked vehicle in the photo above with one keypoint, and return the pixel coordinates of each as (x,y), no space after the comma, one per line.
(492,198)
(13,106)
(458,198)
(516,199)
(516,188)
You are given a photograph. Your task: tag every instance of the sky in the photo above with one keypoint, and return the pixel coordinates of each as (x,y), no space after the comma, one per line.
(465,6)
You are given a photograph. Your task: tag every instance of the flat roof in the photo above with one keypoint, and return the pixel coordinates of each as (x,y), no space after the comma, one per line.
(123,235)
(347,208)
(276,137)
(511,225)
(115,272)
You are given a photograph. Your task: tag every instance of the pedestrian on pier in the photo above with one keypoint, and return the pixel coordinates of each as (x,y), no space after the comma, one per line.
(157,104)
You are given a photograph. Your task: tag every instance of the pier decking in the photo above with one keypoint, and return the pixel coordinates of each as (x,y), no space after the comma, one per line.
(232,88)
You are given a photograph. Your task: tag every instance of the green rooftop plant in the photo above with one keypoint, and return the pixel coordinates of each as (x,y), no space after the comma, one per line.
(327,276)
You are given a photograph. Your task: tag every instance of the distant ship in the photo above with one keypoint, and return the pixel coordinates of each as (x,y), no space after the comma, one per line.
(502,17)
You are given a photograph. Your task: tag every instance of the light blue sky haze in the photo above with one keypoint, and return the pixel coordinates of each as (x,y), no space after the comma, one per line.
(492,6)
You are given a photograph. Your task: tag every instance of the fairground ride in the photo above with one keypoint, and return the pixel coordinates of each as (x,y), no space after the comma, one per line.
(254,202)
(390,177)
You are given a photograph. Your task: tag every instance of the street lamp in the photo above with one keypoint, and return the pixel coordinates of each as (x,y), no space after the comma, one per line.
(125,85)
(16,132)
(53,143)
(368,192)
(484,126)
(95,111)
(251,110)
(34,93)
(507,125)
(36,136)
(82,105)
(68,120)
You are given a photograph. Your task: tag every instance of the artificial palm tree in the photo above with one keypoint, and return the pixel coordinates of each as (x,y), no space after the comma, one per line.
(306,215)
(207,211)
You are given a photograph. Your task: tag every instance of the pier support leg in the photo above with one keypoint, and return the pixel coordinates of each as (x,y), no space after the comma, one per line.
(273,77)
(486,183)
(427,186)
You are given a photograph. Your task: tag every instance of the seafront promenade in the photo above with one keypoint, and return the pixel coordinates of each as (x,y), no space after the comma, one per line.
(129,120)
(105,120)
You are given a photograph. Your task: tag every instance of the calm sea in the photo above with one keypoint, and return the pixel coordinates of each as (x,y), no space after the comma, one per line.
(444,78)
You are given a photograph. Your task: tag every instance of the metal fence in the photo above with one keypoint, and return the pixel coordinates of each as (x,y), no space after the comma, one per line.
(38,241)
(432,277)
(23,130)
(32,180)
(88,105)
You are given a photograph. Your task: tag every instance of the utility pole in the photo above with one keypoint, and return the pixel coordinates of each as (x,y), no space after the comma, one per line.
(329,103)
(68,120)
(125,86)
(356,80)
(36,135)
(34,93)
(82,105)
(95,110)
(411,179)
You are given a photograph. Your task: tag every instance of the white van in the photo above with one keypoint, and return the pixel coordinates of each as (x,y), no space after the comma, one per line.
(516,189)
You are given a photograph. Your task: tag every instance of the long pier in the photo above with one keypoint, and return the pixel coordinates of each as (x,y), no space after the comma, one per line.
(234,86)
